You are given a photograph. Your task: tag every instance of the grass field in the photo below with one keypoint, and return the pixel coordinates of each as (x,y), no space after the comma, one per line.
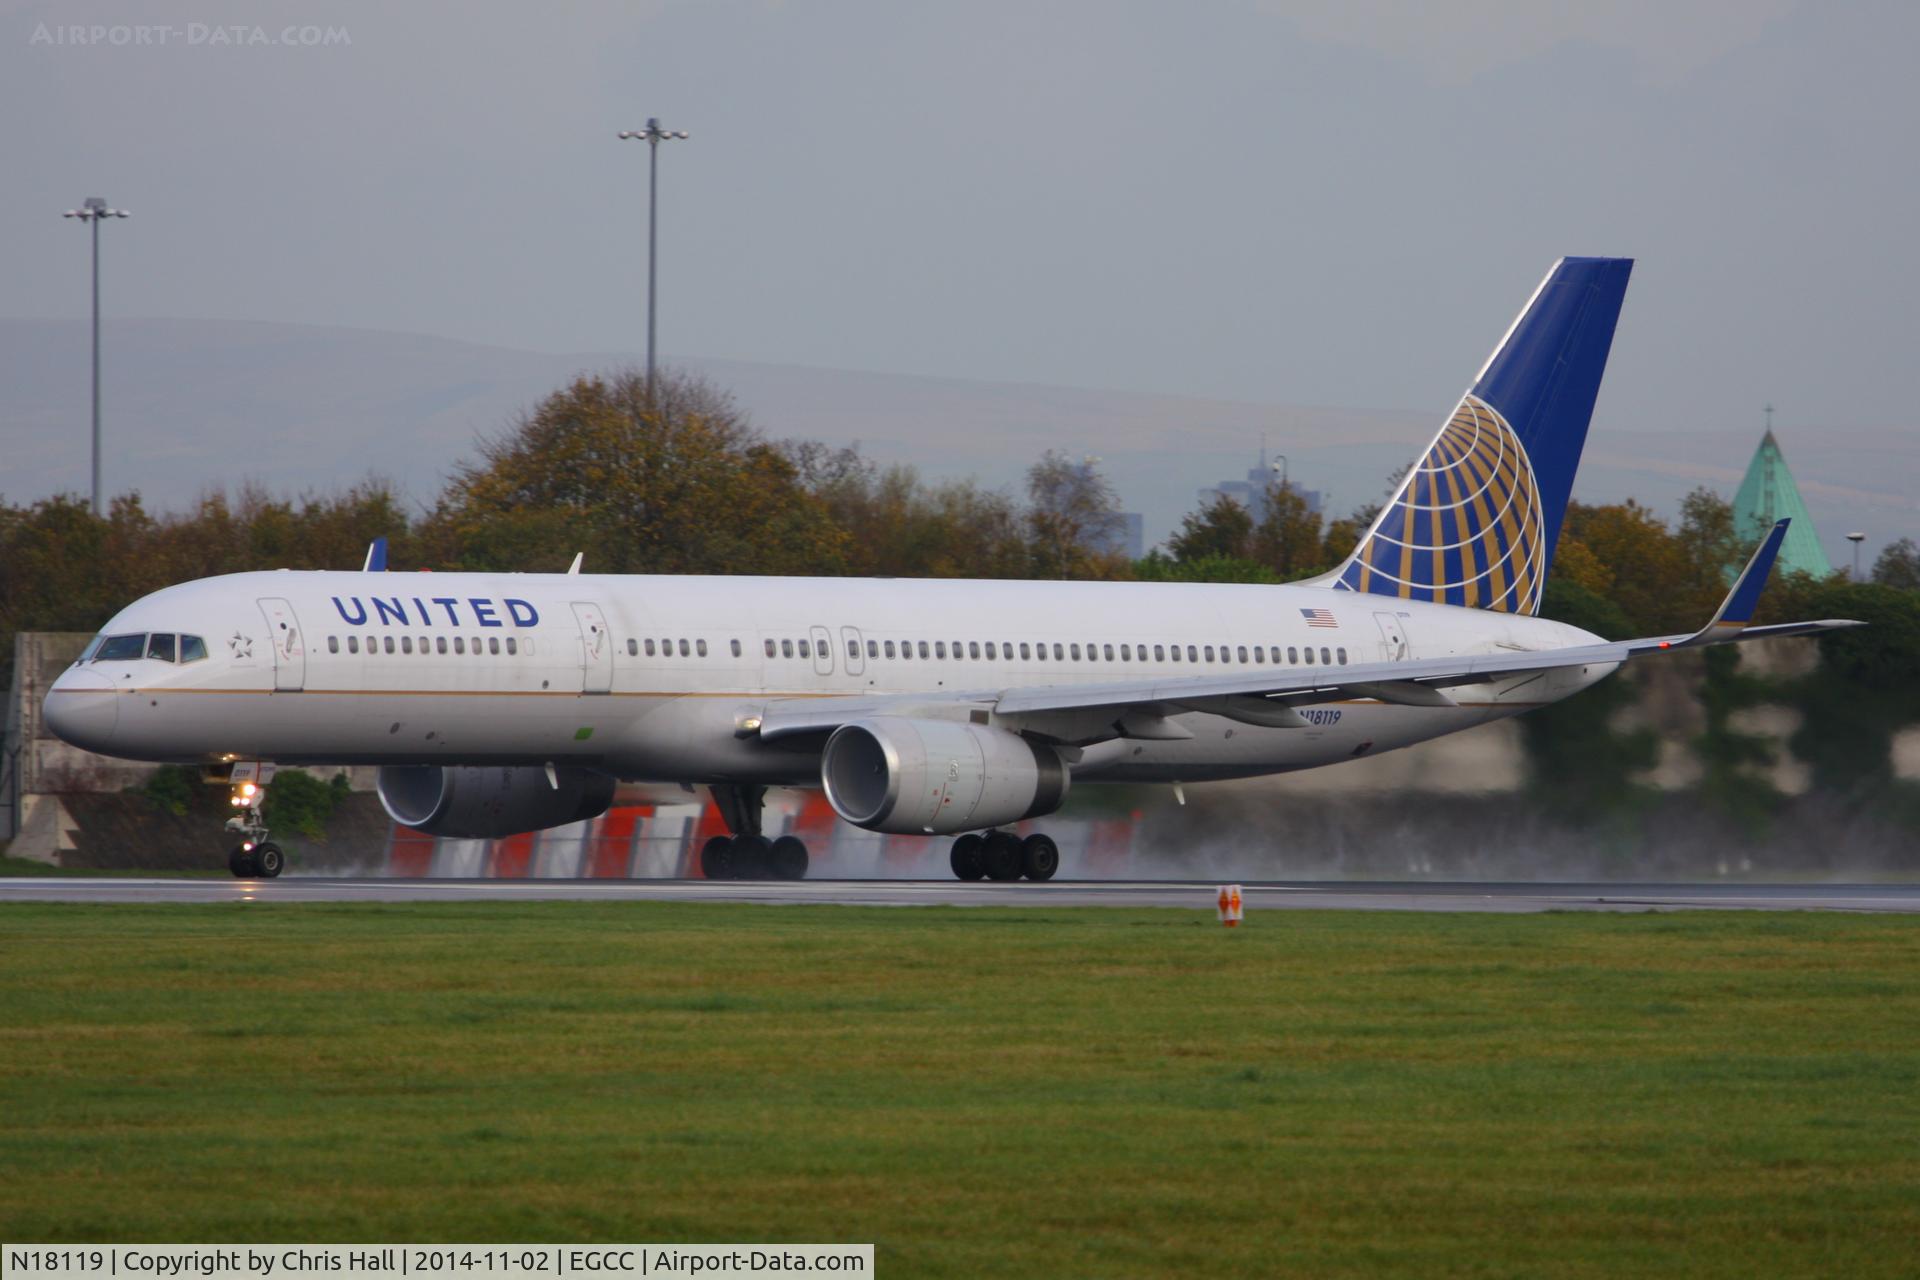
(980,1092)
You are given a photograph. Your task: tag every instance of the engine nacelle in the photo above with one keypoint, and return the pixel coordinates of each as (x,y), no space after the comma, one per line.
(486,801)
(931,777)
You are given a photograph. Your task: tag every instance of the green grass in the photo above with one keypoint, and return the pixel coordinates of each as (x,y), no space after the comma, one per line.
(1044,1092)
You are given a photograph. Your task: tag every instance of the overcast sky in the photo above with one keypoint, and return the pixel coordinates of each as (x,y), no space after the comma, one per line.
(1339,202)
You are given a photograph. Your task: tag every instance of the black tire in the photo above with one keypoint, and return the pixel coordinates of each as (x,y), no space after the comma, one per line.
(1039,857)
(1001,854)
(716,858)
(752,858)
(966,859)
(240,862)
(268,860)
(788,858)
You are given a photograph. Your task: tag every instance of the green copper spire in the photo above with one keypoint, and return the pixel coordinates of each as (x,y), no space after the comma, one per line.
(1768,494)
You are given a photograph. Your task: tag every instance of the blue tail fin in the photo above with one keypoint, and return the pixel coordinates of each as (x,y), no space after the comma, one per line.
(1475,521)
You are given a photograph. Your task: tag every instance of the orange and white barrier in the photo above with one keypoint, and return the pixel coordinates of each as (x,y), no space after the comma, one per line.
(1229,904)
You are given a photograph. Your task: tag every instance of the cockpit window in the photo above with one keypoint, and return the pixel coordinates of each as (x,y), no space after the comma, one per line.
(93,647)
(160,646)
(122,648)
(192,648)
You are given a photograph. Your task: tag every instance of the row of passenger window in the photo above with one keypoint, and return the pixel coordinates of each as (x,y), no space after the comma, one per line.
(695,649)
(1038,651)
(435,644)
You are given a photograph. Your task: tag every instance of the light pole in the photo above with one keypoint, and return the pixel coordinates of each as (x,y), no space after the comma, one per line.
(1856,539)
(93,211)
(654,135)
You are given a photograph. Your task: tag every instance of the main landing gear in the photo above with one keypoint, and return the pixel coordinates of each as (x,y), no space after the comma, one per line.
(1002,855)
(255,855)
(746,854)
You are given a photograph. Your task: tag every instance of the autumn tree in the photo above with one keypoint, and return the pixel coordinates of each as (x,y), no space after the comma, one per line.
(1073,520)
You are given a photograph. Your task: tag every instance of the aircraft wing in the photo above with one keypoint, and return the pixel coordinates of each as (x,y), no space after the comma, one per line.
(1139,708)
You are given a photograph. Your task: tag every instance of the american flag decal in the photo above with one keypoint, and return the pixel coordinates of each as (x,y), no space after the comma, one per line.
(1319,618)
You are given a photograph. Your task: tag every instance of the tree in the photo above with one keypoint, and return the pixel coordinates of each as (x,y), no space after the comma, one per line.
(1222,528)
(664,476)
(1288,536)
(1073,520)
(1898,565)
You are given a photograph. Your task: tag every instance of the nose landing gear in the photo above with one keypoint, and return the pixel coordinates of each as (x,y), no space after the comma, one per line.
(255,855)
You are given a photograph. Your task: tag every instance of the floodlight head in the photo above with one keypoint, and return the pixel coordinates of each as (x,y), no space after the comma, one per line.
(1856,537)
(96,204)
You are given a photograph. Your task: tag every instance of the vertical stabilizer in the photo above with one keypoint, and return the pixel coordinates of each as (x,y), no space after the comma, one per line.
(1474,522)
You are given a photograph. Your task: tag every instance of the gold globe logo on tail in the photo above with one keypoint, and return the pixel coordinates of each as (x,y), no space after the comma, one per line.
(1466,527)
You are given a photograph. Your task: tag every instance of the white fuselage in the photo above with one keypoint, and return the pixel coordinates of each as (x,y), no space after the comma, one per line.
(652,678)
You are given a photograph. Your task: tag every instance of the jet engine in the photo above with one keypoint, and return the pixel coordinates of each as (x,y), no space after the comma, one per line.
(931,777)
(481,802)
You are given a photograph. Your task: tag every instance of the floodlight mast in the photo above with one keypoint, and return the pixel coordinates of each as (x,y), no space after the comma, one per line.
(93,211)
(653,135)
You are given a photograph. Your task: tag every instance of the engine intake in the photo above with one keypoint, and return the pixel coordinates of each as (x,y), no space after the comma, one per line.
(483,802)
(933,777)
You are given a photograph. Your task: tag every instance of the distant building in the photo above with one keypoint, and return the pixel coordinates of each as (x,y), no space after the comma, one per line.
(1251,493)
(1768,494)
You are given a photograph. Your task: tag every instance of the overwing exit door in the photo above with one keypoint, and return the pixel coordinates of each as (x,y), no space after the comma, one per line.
(596,648)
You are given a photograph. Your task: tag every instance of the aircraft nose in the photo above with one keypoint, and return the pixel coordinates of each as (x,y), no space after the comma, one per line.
(83,708)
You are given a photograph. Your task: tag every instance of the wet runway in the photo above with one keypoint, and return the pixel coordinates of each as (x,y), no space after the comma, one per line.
(1267,896)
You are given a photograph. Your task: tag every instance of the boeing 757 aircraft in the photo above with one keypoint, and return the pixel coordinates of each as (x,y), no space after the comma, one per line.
(503,703)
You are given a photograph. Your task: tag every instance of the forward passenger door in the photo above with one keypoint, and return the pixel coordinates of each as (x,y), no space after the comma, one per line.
(596,664)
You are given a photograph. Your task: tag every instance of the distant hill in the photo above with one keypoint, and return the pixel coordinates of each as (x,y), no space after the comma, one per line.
(197,404)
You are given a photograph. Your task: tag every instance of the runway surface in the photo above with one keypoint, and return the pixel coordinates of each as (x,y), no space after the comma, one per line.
(1268,896)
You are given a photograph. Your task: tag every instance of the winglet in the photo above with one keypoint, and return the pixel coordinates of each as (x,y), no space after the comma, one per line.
(376,557)
(1736,611)
(574,568)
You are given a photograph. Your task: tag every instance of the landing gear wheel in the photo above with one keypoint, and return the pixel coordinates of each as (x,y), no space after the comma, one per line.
(966,858)
(268,860)
(752,857)
(240,862)
(1001,855)
(1039,857)
(716,858)
(788,858)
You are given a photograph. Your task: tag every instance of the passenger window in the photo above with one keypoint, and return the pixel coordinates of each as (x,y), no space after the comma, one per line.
(1193,654)
(192,648)
(973,648)
(805,650)
(1259,654)
(1073,651)
(426,645)
(1126,653)
(853,648)
(510,647)
(1209,653)
(633,647)
(406,644)
(1275,651)
(734,645)
(1023,652)
(923,648)
(1242,653)
(683,648)
(889,648)
(769,645)
(460,645)
(122,648)
(388,646)
(990,651)
(873,648)
(939,648)
(1058,654)
(1325,657)
(786,648)
(650,649)
(1174,653)
(1309,657)
(353,644)
(1342,655)
(439,644)
(493,645)
(1107,650)
(1159,653)
(333,644)
(699,648)
(1293,656)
